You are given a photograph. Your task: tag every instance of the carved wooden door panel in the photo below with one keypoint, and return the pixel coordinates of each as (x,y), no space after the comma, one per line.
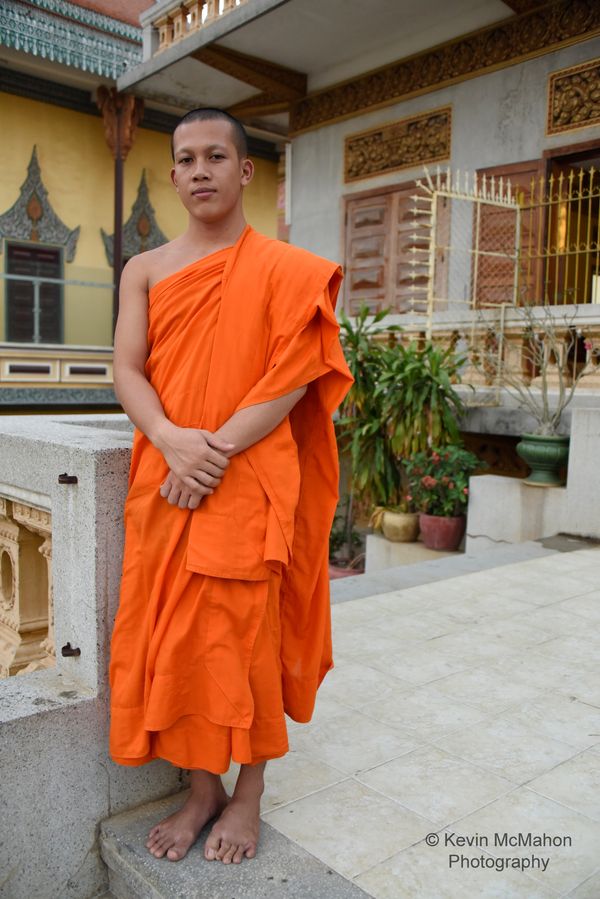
(381,268)
(368,223)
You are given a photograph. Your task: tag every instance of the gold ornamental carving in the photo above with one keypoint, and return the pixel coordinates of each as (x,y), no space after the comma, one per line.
(542,30)
(574,98)
(413,141)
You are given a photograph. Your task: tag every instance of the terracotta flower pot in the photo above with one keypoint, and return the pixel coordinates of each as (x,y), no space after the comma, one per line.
(400,527)
(442,532)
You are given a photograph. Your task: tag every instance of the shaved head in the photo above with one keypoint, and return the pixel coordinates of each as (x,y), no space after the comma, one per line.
(209,114)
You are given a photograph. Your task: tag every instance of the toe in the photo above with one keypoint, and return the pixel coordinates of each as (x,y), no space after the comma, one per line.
(213,843)
(225,847)
(227,858)
(239,855)
(250,851)
(174,854)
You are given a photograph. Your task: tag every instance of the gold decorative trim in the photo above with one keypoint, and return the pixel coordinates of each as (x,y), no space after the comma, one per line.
(513,40)
(417,140)
(574,98)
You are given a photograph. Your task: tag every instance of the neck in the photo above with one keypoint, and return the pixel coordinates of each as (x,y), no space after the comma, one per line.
(216,234)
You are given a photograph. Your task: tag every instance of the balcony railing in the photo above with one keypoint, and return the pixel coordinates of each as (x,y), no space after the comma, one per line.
(175,21)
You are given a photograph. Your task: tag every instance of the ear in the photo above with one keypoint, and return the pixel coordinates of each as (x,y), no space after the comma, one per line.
(247,172)
(174,179)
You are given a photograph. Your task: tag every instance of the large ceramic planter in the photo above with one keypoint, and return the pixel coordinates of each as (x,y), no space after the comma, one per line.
(546,456)
(441,532)
(400,527)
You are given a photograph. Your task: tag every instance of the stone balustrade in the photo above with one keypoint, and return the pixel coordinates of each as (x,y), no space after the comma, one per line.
(175,21)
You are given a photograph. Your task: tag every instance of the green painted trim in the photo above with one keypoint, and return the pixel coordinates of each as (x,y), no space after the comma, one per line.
(90,18)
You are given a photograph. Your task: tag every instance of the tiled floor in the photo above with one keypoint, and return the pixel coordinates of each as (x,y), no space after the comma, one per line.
(465,708)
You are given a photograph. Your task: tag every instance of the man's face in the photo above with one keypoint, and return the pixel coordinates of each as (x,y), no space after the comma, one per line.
(207,171)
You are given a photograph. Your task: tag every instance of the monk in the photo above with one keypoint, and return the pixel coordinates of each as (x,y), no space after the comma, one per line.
(227,360)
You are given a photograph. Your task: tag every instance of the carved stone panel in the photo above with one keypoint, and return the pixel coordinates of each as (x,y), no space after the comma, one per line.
(574,98)
(33,218)
(141,231)
(413,141)
(26,608)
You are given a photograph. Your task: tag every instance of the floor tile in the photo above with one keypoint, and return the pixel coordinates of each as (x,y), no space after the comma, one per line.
(351,742)
(589,889)
(559,717)
(424,872)
(436,785)
(487,689)
(354,684)
(349,827)
(524,812)
(555,619)
(586,605)
(572,647)
(424,712)
(419,665)
(507,749)
(575,783)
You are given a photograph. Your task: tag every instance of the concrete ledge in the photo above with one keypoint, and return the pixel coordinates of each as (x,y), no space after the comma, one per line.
(455,565)
(281,870)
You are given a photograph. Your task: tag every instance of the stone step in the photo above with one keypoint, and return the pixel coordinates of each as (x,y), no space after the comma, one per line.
(281,870)
(401,577)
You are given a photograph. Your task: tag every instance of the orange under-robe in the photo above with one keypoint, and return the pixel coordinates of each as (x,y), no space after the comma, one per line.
(223,622)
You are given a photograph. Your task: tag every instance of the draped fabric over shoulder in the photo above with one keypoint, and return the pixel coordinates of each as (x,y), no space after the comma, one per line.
(223,622)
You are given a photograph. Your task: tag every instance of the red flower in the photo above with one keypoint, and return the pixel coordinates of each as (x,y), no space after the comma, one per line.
(408,498)
(429,482)
(588,345)
(436,457)
(451,485)
(446,480)
(466,491)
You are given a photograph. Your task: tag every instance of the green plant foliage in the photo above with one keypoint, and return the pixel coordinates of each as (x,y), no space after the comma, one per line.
(402,402)
(439,479)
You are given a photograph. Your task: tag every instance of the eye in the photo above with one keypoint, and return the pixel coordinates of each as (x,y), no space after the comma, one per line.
(217,156)
(185,159)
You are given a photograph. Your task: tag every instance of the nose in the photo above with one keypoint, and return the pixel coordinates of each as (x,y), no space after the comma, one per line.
(200,172)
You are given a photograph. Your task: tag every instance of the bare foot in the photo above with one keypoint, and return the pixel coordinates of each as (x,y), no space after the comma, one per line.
(174,835)
(235,834)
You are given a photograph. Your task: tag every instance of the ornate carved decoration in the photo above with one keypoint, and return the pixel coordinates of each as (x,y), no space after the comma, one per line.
(398,145)
(33,218)
(122,113)
(26,602)
(141,231)
(521,37)
(574,97)
(70,34)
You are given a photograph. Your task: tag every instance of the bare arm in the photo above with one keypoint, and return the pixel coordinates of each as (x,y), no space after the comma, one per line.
(187,452)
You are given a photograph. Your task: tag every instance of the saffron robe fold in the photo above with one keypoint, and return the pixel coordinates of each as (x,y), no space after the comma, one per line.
(224,617)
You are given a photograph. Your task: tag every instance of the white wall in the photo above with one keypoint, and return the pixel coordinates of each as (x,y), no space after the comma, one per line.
(497,119)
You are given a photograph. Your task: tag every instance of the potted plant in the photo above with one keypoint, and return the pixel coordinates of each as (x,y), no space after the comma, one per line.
(403,401)
(439,480)
(554,357)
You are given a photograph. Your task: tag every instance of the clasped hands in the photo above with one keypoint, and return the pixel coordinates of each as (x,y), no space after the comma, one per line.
(197,461)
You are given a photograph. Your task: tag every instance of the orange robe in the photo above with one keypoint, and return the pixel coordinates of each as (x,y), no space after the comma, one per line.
(224,620)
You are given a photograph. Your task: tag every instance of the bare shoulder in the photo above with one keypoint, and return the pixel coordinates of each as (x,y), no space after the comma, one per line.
(146,268)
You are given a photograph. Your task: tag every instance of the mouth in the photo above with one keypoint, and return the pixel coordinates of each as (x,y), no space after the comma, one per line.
(203,192)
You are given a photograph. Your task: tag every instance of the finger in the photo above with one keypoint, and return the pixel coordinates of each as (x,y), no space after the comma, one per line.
(218,443)
(184,498)
(173,497)
(217,458)
(207,480)
(195,486)
(212,469)
(194,501)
